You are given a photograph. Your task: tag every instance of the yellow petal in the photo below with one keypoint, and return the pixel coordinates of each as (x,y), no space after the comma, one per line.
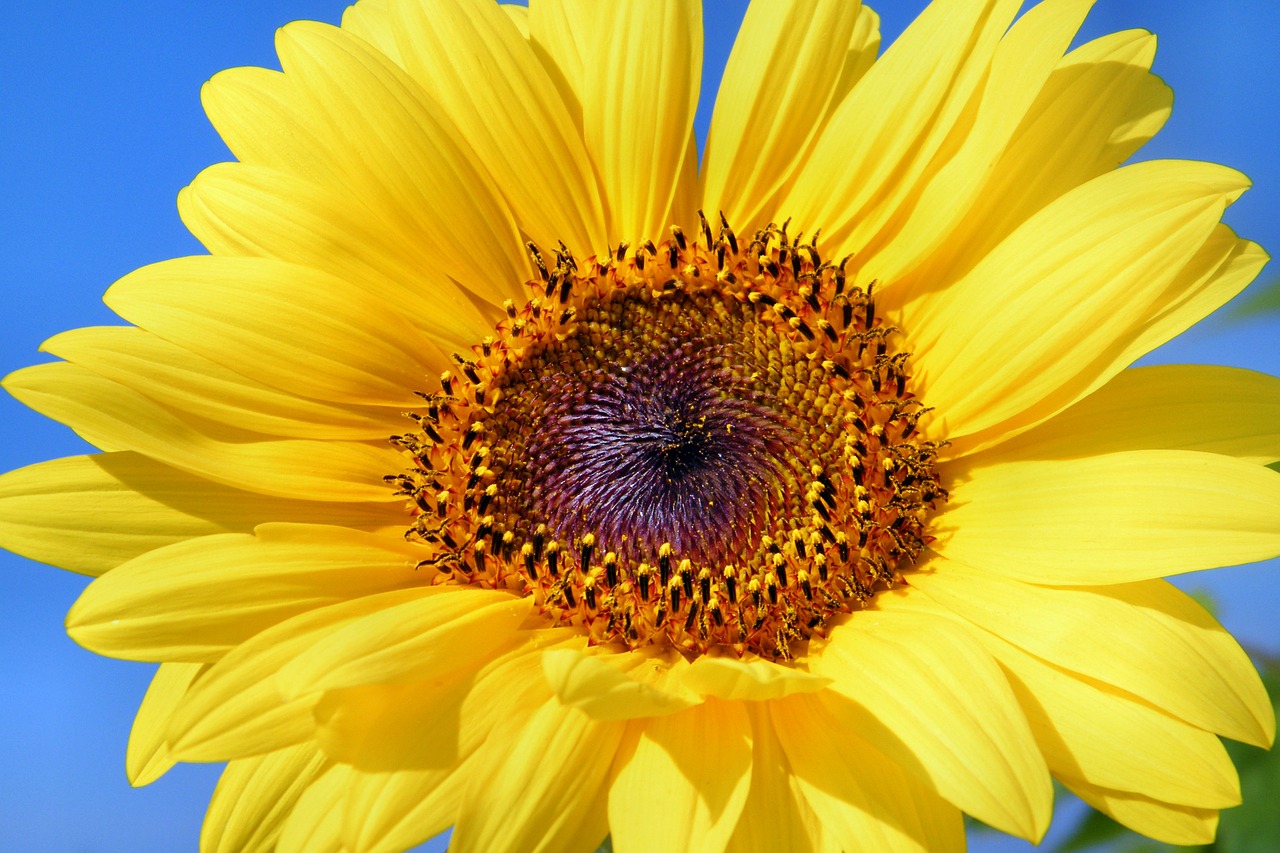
(777,86)
(519,16)
(364,726)
(865,801)
(295,328)
(561,32)
(1113,518)
(748,680)
(1097,734)
(681,781)
(926,694)
(612,686)
(315,824)
(443,629)
(477,67)
(394,155)
(629,71)
(194,600)
(238,710)
(113,417)
(1100,104)
(140,505)
(522,781)
(1161,821)
(254,797)
(395,811)
(1020,67)
(1167,407)
(882,138)
(849,63)
(863,48)
(255,211)
(1222,267)
(149,757)
(371,21)
(1146,638)
(776,815)
(183,381)
(1039,313)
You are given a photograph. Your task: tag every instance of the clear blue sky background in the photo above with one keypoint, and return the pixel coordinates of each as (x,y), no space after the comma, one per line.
(101,125)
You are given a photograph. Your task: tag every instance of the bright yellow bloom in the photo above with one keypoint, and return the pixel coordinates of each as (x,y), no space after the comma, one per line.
(806,525)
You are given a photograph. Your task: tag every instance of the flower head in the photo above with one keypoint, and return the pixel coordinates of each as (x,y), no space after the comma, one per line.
(508,466)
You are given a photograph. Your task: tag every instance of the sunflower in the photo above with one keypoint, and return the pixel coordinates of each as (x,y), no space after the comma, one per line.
(505,465)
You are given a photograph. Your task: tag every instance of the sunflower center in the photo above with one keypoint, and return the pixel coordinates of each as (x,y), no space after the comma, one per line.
(703,444)
(659,439)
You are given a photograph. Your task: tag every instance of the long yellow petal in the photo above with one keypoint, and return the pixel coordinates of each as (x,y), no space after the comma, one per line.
(1225,265)
(445,628)
(183,381)
(194,600)
(364,726)
(113,417)
(1099,734)
(1114,635)
(401,160)
(148,756)
(315,824)
(1108,739)
(864,800)
(473,62)
(295,328)
(519,16)
(859,57)
(371,20)
(880,142)
(255,796)
(1222,267)
(395,811)
(259,212)
(927,695)
(693,769)
(1037,313)
(1021,65)
(644,58)
(777,87)
(1112,518)
(139,505)
(1161,821)
(776,815)
(523,780)
(1167,407)
(1100,104)
(238,710)
(561,32)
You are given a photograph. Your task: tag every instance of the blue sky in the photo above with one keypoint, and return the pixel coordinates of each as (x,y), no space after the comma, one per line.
(101,118)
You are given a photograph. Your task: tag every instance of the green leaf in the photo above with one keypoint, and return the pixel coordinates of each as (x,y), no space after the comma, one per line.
(1206,599)
(1260,300)
(1096,829)
(1255,825)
